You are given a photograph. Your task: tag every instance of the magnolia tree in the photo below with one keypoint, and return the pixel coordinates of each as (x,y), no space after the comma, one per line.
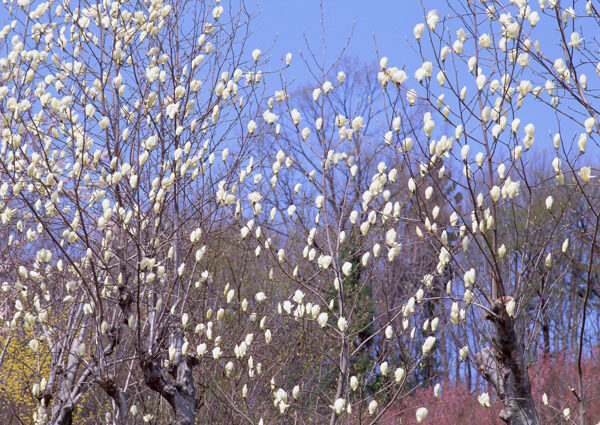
(492,71)
(154,260)
(125,138)
(112,116)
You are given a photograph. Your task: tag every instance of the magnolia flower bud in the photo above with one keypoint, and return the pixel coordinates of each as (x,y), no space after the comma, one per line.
(316,93)
(372,407)
(468,296)
(342,324)
(462,353)
(389,332)
(322,319)
(428,127)
(353,383)
(582,142)
(399,375)
(501,251)
(495,193)
(251,127)
(428,345)
(411,96)
(412,187)
(510,307)
(464,151)
(589,125)
(418,31)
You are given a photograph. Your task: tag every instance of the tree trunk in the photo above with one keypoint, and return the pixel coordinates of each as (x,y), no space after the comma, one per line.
(181,394)
(503,366)
(62,415)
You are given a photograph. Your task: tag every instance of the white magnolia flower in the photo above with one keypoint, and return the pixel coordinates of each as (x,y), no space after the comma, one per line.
(296,117)
(357,123)
(484,41)
(582,142)
(316,93)
(399,375)
(251,127)
(372,407)
(495,193)
(428,345)
(342,324)
(559,66)
(421,414)
(585,174)
(411,96)
(575,40)
(217,12)
(462,353)
(534,18)
(172,110)
(270,117)
(418,31)
(305,133)
(428,127)
(484,399)
(322,319)
(510,307)
(432,19)
(339,405)
(589,125)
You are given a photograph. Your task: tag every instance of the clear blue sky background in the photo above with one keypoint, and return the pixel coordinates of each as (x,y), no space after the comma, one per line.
(281,23)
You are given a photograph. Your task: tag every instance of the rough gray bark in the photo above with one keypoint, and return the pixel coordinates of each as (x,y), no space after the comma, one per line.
(119,399)
(180,394)
(503,366)
(67,381)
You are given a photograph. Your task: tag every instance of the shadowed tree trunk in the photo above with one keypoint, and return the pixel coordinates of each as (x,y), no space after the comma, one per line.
(180,393)
(503,366)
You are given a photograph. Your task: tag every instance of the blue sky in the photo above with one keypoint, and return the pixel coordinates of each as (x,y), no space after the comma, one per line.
(280,24)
